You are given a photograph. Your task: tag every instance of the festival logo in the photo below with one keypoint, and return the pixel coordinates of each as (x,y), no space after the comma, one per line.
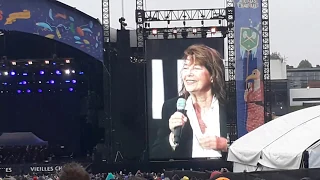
(248,4)
(249,39)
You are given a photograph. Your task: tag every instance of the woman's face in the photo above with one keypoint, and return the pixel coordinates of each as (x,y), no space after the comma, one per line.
(195,78)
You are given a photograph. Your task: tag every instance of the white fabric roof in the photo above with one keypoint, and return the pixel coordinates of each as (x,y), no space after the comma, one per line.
(280,143)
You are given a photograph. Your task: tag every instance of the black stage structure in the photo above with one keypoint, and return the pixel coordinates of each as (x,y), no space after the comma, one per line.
(119,58)
(69,121)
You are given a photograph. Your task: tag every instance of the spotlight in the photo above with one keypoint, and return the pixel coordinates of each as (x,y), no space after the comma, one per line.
(12,73)
(67,71)
(18,91)
(194,30)
(14,63)
(25,74)
(58,72)
(67,61)
(70,89)
(30,62)
(175,31)
(52,82)
(24,82)
(5,73)
(47,62)
(73,71)
(40,90)
(213,30)
(203,33)
(74,81)
(154,32)
(165,35)
(184,33)
(28,91)
(42,72)
(81,72)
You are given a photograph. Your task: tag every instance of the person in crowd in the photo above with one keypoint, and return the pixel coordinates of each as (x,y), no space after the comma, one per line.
(73,171)
(204,121)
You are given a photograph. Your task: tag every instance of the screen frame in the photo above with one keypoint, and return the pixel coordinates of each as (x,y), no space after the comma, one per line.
(149,78)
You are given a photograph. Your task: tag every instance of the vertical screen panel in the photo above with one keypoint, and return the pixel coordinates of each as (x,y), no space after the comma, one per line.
(164,64)
(157,88)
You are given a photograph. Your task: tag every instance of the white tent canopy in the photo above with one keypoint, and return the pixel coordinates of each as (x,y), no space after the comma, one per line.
(280,143)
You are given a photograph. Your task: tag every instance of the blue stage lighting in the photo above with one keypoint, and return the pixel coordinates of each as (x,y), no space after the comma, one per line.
(74,81)
(40,90)
(25,74)
(18,91)
(58,72)
(28,91)
(81,72)
(70,89)
(41,72)
(51,81)
(67,81)
(12,73)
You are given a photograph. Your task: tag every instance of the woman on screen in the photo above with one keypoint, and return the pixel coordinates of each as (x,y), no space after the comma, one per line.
(204,121)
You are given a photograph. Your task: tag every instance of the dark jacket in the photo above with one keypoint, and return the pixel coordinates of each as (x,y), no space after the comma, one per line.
(161,148)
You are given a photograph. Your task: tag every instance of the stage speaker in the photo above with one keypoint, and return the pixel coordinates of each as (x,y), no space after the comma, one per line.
(123,44)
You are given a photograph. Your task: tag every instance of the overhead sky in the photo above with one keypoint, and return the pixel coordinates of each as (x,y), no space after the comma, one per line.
(294,24)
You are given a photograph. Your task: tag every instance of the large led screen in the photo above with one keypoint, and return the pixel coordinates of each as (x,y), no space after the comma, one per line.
(191,70)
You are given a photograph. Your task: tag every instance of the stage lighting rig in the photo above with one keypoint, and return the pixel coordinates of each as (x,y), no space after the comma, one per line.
(30,76)
(186,32)
(185,15)
(123,23)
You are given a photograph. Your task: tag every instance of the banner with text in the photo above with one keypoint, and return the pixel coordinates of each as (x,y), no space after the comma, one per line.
(31,168)
(249,66)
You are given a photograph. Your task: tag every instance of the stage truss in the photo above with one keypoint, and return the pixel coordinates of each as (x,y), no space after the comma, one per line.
(266,59)
(108,124)
(144,17)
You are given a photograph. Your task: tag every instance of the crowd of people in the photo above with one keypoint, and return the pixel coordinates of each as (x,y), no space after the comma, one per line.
(75,171)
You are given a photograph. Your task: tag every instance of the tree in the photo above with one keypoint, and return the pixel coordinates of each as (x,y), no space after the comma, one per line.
(305,64)
(275,55)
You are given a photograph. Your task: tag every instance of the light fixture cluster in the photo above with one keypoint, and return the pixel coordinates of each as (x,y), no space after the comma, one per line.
(186,32)
(28,77)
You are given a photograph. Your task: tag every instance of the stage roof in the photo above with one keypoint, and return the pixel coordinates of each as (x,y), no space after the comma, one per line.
(54,20)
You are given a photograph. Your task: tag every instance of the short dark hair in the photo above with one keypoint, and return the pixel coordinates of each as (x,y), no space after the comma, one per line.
(73,171)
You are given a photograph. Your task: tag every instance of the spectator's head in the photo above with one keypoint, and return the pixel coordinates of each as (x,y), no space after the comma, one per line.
(73,171)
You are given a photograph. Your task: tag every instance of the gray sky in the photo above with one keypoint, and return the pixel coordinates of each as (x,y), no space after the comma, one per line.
(294,26)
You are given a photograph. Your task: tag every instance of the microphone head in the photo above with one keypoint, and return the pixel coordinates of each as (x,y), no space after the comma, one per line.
(181,104)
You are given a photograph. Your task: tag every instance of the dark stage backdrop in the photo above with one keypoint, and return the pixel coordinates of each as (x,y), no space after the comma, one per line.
(60,117)
(164,62)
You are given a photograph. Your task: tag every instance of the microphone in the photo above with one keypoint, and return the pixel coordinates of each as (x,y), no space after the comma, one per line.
(181,104)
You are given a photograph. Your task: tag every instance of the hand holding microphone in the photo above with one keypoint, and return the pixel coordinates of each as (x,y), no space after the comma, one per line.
(177,120)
